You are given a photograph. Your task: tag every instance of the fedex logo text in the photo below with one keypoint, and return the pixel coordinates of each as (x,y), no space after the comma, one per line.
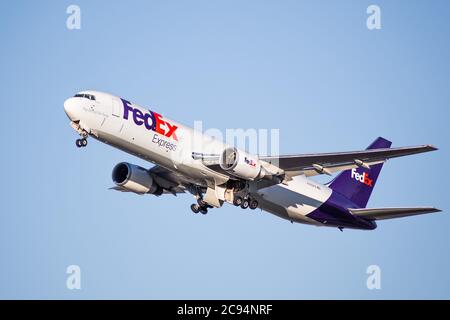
(151,120)
(363,178)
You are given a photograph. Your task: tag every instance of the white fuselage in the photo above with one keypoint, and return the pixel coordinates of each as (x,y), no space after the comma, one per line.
(169,144)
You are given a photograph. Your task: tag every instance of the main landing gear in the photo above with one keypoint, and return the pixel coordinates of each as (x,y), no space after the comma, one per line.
(81,143)
(245,203)
(201,206)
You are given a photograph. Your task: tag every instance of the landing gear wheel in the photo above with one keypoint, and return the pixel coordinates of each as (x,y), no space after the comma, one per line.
(244,204)
(81,142)
(237,201)
(253,204)
(195,208)
(203,210)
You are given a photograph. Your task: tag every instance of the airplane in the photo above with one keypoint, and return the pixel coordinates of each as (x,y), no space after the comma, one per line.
(188,161)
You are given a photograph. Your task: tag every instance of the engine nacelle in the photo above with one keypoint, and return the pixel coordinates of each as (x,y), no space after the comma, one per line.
(135,179)
(241,164)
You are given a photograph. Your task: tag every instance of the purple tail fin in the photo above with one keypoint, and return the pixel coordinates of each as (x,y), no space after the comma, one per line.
(357,184)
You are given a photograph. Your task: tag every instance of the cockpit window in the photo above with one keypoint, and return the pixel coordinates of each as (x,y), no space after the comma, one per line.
(85,95)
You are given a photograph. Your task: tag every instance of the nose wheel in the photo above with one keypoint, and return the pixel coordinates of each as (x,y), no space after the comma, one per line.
(81,143)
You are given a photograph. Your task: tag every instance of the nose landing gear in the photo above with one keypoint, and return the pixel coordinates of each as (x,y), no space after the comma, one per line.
(81,143)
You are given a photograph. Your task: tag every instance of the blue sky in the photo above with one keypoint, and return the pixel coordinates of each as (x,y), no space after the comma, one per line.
(309,68)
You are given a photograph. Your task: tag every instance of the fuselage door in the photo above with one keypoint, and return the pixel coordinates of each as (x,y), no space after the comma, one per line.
(114,123)
(116,107)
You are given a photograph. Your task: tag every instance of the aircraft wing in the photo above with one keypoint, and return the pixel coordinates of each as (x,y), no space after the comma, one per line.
(169,180)
(173,191)
(320,163)
(391,213)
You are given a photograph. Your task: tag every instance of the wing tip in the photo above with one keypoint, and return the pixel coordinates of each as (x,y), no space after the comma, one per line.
(431,147)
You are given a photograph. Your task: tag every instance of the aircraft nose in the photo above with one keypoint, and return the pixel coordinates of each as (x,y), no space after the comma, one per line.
(71,108)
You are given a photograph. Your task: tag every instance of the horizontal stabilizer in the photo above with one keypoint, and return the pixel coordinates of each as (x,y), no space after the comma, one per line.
(391,213)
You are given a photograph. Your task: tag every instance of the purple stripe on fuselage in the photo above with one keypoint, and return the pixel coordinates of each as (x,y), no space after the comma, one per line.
(334,213)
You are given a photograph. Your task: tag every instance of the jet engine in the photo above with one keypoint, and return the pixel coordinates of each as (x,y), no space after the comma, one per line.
(241,164)
(135,179)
